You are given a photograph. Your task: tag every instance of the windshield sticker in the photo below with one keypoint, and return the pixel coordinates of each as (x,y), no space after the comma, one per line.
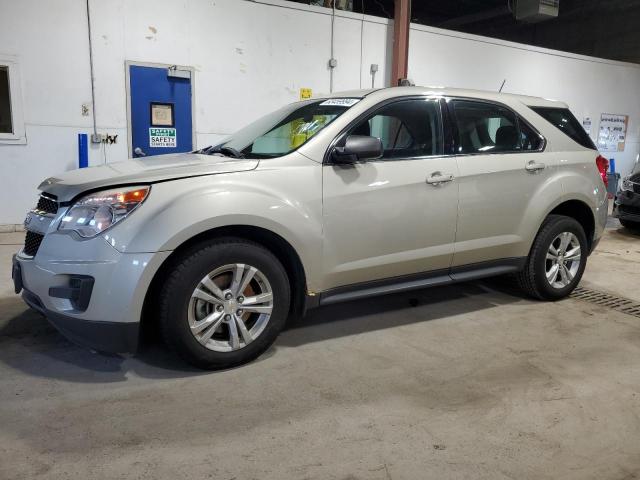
(344,102)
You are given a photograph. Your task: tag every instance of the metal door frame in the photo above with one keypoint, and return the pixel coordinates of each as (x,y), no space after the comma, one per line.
(129,63)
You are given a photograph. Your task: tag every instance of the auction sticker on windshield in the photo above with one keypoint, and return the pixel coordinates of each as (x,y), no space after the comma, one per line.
(345,102)
(162,137)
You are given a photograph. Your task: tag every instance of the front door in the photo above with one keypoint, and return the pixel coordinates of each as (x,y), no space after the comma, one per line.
(160,110)
(389,217)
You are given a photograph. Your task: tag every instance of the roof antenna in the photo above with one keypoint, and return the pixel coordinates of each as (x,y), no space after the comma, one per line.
(502,86)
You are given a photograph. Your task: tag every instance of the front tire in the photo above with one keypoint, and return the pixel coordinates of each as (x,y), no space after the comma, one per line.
(224,303)
(557,259)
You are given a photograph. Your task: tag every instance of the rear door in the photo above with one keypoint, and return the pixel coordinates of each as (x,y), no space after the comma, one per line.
(160,110)
(501,167)
(382,218)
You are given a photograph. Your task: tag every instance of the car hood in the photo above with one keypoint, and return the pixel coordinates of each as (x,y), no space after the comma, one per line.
(140,171)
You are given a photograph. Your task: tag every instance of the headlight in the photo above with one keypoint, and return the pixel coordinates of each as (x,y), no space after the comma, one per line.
(98,211)
(627,185)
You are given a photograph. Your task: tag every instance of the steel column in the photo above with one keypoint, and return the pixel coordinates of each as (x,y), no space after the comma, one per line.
(402,19)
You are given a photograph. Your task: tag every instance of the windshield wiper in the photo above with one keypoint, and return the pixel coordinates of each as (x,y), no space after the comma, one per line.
(223,150)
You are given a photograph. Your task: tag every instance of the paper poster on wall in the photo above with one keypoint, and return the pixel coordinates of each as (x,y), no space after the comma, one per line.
(162,137)
(305,93)
(586,124)
(613,132)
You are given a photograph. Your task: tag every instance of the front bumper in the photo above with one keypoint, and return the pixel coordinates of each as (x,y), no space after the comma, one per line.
(112,337)
(109,318)
(627,205)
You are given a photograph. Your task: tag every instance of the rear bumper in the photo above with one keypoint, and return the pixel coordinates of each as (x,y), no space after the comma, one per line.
(114,337)
(627,206)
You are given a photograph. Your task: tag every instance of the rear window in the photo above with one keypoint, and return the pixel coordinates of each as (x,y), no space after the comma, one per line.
(564,120)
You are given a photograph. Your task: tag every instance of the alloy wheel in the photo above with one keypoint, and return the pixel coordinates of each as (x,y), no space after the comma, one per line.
(563,260)
(230,307)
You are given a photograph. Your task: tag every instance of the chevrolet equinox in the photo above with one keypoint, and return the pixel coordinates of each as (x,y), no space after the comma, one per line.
(326,200)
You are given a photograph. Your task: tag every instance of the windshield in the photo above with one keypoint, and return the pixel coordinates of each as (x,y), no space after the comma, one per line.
(284,130)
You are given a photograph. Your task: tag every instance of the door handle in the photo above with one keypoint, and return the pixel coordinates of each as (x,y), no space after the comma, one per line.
(534,167)
(438,178)
(138,151)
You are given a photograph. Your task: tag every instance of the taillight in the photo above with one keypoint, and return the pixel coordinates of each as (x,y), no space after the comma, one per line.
(603,166)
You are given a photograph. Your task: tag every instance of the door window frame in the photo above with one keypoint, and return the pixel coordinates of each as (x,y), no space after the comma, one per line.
(17,136)
(455,138)
(127,66)
(379,106)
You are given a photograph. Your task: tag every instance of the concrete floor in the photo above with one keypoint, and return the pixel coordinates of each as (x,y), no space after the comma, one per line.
(474,382)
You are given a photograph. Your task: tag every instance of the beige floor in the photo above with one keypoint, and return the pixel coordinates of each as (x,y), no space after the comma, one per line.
(474,382)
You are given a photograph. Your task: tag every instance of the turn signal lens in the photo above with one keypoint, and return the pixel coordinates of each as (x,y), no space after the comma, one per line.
(133,196)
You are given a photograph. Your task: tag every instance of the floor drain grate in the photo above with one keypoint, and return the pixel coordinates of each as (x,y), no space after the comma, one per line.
(608,300)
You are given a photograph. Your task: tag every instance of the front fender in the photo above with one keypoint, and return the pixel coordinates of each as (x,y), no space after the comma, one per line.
(179,210)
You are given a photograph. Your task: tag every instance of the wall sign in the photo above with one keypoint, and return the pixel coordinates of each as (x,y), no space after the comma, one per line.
(305,93)
(613,132)
(162,137)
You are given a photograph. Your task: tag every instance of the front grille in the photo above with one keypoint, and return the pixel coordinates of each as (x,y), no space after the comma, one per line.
(32,243)
(47,204)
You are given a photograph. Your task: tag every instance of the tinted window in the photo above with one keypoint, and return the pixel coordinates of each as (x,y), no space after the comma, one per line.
(484,127)
(530,139)
(5,102)
(564,120)
(409,128)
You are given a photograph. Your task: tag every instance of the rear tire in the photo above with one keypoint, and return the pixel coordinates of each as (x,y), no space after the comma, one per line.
(557,259)
(224,303)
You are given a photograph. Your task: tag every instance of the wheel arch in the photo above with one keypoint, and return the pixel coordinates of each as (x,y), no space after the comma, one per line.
(276,244)
(579,211)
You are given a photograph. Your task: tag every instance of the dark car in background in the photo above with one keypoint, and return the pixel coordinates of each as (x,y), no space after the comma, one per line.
(626,206)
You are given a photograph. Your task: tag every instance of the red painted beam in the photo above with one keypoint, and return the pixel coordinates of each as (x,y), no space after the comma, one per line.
(402,19)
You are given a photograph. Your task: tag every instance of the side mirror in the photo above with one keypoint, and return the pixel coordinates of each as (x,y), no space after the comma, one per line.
(356,149)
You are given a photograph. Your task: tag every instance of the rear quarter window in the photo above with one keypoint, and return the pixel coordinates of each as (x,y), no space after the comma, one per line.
(563,120)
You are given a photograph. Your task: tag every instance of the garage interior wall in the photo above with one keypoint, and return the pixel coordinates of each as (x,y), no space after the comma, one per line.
(251,57)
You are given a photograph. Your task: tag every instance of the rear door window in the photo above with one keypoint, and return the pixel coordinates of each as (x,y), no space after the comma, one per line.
(564,121)
(531,140)
(485,128)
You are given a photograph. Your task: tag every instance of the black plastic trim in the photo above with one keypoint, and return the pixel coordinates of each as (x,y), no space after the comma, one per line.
(111,337)
(78,291)
(16,274)
(490,268)
(417,281)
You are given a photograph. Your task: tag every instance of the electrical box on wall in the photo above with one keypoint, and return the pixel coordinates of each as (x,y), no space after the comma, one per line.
(536,10)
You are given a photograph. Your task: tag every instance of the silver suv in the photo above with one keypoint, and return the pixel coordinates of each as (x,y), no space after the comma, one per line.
(327,200)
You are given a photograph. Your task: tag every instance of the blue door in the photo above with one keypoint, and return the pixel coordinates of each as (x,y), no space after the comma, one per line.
(161,119)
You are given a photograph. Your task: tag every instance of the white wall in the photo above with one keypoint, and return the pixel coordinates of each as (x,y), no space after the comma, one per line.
(250,57)
(591,86)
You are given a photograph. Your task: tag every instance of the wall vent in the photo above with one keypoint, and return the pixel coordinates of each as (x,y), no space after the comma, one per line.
(536,10)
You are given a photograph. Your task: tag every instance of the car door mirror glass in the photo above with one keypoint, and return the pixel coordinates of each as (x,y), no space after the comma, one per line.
(358,148)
